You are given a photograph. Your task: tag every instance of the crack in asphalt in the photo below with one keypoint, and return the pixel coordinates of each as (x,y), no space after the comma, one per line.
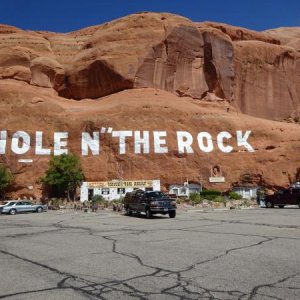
(60,284)
(28,292)
(157,270)
(20,235)
(253,224)
(227,252)
(241,234)
(182,288)
(255,290)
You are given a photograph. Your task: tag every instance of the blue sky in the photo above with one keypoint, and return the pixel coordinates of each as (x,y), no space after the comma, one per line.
(69,15)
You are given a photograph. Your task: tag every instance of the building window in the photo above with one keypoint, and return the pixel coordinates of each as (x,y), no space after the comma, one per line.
(175,191)
(121,191)
(183,191)
(90,194)
(105,191)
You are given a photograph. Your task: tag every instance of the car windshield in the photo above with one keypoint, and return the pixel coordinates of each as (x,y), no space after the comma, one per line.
(11,203)
(155,195)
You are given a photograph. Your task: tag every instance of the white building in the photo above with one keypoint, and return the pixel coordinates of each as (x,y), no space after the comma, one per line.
(247,192)
(184,189)
(115,189)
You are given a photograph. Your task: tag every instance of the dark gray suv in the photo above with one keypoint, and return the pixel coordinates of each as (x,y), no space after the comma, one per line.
(150,203)
(290,196)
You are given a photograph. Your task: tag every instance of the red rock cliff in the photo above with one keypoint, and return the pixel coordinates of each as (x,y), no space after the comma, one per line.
(155,72)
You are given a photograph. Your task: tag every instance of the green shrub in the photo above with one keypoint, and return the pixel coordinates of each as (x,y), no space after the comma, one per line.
(97,198)
(260,193)
(234,196)
(210,194)
(100,200)
(104,203)
(56,202)
(219,199)
(6,179)
(116,202)
(195,198)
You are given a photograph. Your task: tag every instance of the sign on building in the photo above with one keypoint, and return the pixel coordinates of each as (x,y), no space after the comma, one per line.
(115,189)
(121,184)
(218,179)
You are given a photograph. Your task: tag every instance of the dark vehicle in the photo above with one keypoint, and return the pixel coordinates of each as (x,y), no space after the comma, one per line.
(281,198)
(150,203)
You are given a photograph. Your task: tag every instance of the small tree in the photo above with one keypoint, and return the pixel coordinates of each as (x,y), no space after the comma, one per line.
(6,179)
(64,174)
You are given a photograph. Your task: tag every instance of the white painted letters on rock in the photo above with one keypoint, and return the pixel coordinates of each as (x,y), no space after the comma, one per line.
(3,137)
(122,135)
(184,141)
(220,141)
(92,143)
(60,142)
(20,143)
(242,140)
(140,142)
(205,142)
(39,150)
(160,141)
(144,142)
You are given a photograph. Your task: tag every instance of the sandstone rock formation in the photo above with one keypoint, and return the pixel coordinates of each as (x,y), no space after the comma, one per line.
(267,80)
(241,34)
(288,36)
(206,61)
(154,71)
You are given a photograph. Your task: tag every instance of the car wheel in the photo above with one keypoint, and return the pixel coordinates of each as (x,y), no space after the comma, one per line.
(12,212)
(281,206)
(128,211)
(269,204)
(172,214)
(39,209)
(148,214)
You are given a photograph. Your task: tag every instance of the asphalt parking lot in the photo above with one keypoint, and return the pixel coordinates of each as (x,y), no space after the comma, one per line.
(237,254)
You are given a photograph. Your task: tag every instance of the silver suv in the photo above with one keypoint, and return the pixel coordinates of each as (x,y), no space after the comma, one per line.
(13,207)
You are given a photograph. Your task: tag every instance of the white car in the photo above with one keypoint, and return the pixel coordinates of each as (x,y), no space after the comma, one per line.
(13,207)
(5,203)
